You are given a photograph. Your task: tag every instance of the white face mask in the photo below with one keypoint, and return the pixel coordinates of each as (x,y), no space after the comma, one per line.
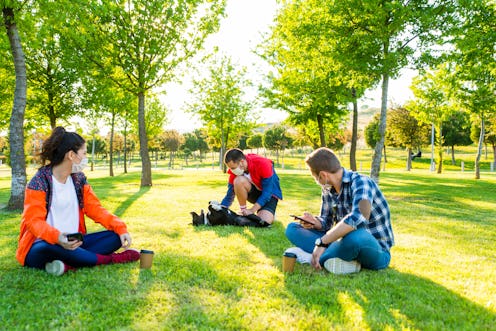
(78,167)
(325,187)
(238,171)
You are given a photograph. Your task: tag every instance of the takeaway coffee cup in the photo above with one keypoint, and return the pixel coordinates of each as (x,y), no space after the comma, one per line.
(288,262)
(146,259)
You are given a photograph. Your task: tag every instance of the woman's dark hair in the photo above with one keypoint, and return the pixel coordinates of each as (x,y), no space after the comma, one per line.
(234,154)
(58,144)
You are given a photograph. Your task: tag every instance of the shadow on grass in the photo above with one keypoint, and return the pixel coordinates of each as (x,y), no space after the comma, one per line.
(132,179)
(270,240)
(385,299)
(390,299)
(172,295)
(464,200)
(130,200)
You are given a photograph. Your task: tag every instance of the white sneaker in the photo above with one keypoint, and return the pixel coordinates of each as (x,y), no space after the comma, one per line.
(56,268)
(341,267)
(301,256)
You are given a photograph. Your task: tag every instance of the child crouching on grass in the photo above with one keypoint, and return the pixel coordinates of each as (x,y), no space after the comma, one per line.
(56,200)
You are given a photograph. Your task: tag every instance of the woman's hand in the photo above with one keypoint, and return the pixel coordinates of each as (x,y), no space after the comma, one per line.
(69,245)
(125,240)
(317,252)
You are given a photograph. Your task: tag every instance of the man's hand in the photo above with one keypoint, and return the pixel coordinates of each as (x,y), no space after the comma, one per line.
(310,222)
(317,252)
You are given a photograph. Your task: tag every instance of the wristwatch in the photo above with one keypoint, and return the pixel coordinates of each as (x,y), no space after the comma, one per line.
(320,243)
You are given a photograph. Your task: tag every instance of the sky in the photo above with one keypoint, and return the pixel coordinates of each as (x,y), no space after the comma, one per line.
(240,31)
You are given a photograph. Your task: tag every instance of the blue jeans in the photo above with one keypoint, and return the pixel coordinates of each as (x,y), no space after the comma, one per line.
(104,243)
(357,245)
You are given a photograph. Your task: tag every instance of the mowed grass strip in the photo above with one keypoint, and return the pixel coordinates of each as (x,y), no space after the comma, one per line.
(228,278)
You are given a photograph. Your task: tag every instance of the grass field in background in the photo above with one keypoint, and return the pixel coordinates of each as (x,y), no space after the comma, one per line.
(294,159)
(227,278)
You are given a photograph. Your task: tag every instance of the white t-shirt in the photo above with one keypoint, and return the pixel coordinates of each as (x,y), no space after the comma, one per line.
(64,210)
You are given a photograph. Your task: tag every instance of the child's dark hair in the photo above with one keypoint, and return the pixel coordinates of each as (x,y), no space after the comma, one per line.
(58,144)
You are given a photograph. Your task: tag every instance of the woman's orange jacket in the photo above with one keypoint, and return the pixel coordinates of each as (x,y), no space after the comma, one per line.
(37,203)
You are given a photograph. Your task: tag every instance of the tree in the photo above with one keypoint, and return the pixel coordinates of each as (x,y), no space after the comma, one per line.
(16,131)
(277,139)
(490,134)
(201,141)
(141,40)
(373,135)
(52,67)
(3,144)
(307,82)
(456,132)
(474,40)
(255,141)
(219,101)
(171,140)
(107,102)
(434,103)
(156,117)
(189,146)
(7,83)
(406,131)
(491,137)
(390,34)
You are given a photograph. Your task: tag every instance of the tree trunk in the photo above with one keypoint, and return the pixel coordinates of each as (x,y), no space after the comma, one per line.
(223,143)
(125,144)
(376,159)
(479,149)
(320,123)
(16,127)
(93,153)
(111,149)
(453,161)
(439,139)
(409,159)
(354,134)
(494,156)
(146,166)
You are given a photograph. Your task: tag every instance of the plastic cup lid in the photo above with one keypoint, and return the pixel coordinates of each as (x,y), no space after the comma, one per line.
(288,254)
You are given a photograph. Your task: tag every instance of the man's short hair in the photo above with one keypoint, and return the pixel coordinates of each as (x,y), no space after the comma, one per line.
(235,155)
(323,159)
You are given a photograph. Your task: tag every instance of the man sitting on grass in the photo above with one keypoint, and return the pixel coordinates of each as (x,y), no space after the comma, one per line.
(354,226)
(252,178)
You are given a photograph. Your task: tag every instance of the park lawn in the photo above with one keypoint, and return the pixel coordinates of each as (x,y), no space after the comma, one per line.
(441,276)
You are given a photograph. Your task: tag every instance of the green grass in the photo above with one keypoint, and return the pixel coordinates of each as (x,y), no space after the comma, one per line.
(442,274)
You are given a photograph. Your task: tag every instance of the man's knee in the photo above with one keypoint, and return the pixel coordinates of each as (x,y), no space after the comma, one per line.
(291,229)
(266,215)
(241,182)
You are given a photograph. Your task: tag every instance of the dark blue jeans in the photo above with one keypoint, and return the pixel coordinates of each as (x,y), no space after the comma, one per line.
(104,243)
(357,245)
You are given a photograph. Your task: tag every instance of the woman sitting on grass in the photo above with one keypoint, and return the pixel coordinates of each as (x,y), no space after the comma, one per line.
(56,200)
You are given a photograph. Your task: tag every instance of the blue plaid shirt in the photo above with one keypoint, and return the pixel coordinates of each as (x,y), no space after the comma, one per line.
(344,207)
